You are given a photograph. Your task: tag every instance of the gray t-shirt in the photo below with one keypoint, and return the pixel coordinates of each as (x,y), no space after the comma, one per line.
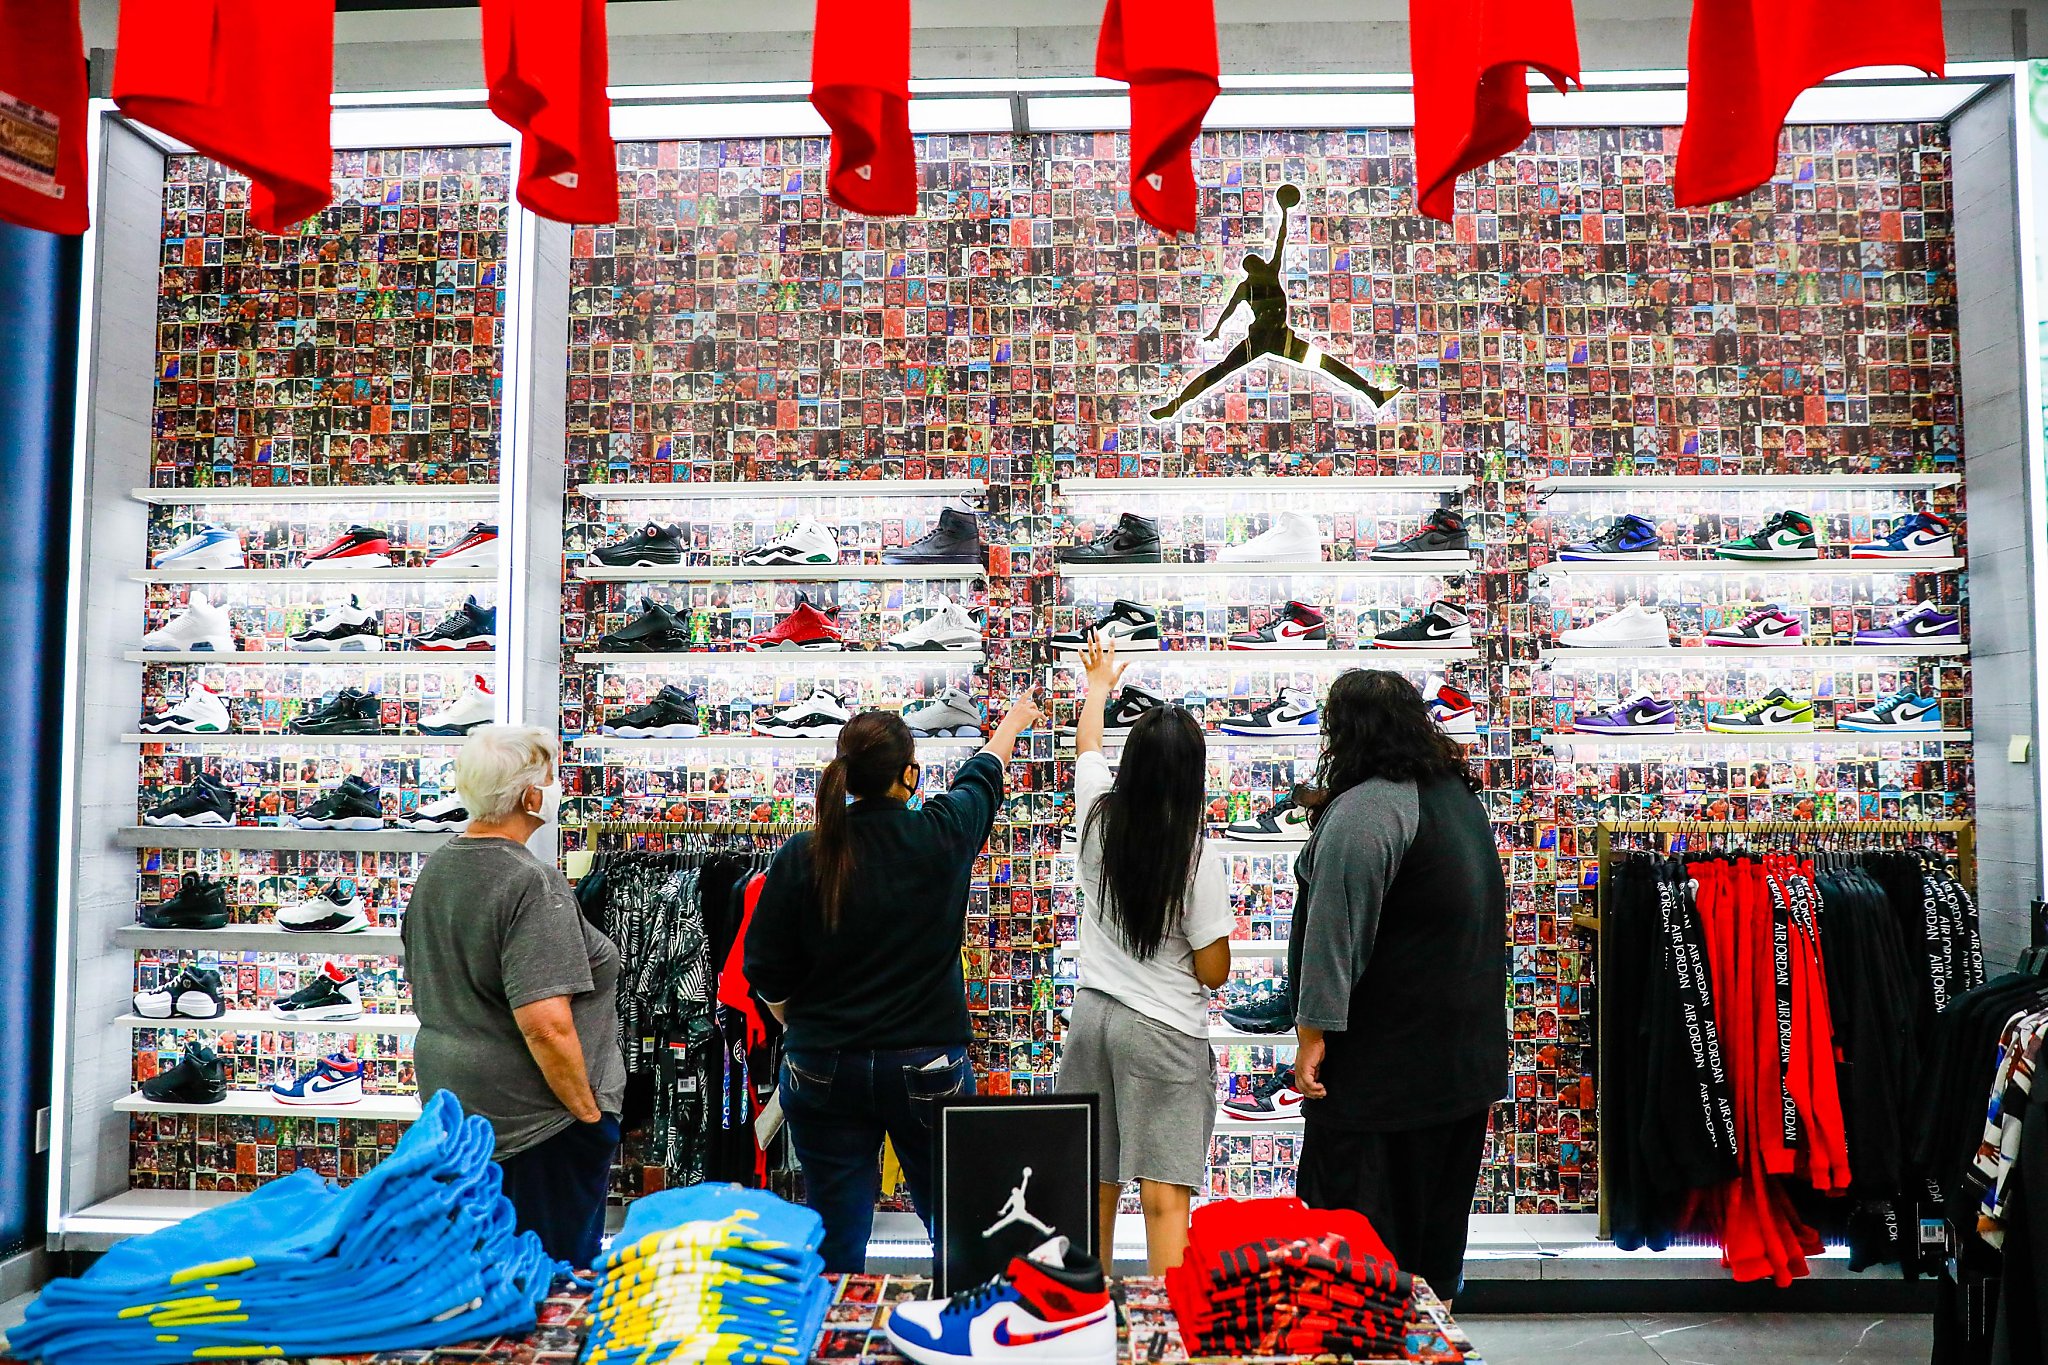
(491,928)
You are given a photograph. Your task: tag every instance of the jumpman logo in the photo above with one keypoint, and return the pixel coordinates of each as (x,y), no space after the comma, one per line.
(1014,1210)
(1269,334)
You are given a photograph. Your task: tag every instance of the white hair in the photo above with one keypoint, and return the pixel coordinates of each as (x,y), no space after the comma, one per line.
(498,763)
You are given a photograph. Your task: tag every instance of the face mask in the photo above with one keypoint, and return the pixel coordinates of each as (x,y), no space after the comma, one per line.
(550,804)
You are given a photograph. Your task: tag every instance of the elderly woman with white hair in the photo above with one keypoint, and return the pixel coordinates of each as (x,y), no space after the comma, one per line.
(515,993)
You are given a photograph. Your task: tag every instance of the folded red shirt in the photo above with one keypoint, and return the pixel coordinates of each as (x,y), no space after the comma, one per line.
(43,128)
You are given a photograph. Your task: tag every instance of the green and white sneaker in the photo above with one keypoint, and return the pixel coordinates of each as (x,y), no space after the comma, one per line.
(1788,535)
(1774,714)
(809,543)
(1285,822)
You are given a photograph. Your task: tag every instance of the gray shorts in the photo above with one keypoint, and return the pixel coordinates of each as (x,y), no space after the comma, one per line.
(1157,1089)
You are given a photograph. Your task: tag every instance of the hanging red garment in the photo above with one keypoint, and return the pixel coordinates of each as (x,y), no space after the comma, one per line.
(860,85)
(1165,50)
(545,64)
(246,82)
(1748,60)
(43,128)
(1471,98)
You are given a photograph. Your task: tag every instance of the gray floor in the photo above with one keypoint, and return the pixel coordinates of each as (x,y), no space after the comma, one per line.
(10,1315)
(1732,1339)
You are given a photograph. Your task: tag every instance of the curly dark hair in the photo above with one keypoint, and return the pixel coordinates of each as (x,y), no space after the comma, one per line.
(1375,724)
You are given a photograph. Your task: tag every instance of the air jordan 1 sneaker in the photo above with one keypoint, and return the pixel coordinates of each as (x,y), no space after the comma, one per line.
(1641,714)
(1903,713)
(1633,627)
(1441,539)
(1922,625)
(1132,540)
(1759,629)
(1284,822)
(1629,537)
(335,1079)
(1051,1307)
(1774,714)
(1293,538)
(1130,626)
(1922,535)
(1292,713)
(1296,626)
(1444,625)
(954,539)
(1788,535)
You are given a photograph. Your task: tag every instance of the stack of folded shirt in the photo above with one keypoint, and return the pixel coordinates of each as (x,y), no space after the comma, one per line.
(711,1273)
(1275,1277)
(423,1245)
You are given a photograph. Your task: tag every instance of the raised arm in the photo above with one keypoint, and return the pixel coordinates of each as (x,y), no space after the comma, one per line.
(1023,711)
(1098,662)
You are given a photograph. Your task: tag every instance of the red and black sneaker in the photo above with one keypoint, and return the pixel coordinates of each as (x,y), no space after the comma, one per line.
(1298,626)
(363,546)
(805,628)
(478,549)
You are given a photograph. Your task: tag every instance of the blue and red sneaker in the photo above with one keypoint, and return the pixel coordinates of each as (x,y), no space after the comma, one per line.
(1048,1308)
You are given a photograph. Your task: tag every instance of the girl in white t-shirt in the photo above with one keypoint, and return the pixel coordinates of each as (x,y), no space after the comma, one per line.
(1154,941)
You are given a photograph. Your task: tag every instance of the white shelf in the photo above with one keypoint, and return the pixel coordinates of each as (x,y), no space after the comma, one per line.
(403,1108)
(1225,1036)
(1256,846)
(1258,947)
(1843,739)
(862,658)
(271,740)
(294,657)
(317,573)
(1218,740)
(782,488)
(784,573)
(359,493)
(262,1021)
(276,836)
(1307,654)
(1226,1126)
(823,745)
(264,938)
(1270,483)
(1735,654)
(1327,568)
(1603,483)
(1748,568)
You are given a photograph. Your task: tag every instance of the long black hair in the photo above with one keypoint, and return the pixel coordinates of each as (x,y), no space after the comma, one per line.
(1149,824)
(1375,724)
(873,750)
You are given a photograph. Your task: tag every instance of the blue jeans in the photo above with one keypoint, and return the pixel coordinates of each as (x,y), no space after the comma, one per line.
(840,1105)
(558,1189)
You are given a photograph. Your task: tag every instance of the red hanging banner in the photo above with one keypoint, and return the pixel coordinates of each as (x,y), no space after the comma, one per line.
(246,82)
(546,64)
(860,85)
(1749,61)
(1471,96)
(42,115)
(1165,50)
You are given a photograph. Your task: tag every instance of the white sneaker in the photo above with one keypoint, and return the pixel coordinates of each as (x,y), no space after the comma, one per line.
(1291,539)
(200,713)
(950,627)
(1630,628)
(818,716)
(202,628)
(444,816)
(951,713)
(1294,712)
(808,543)
(348,628)
(476,706)
(212,547)
(327,910)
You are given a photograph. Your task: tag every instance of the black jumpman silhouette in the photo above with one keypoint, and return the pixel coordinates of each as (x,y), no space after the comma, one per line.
(1269,333)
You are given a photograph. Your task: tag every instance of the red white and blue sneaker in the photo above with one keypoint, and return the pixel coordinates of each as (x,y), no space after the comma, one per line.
(1049,1308)
(336,1079)
(1452,709)
(1919,536)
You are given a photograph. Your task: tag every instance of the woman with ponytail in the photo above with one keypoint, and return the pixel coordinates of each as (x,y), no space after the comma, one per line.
(855,945)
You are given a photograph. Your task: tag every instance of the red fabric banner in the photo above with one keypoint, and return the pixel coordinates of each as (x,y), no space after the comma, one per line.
(860,85)
(1471,97)
(545,64)
(1165,50)
(43,128)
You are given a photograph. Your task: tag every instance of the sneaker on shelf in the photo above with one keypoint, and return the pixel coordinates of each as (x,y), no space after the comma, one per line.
(1296,626)
(952,714)
(1633,627)
(477,549)
(197,1077)
(1924,624)
(1776,713)
(1452,709)
(1051,1307)
(364,547)
(1122,710)
(200,902)
(476,706)
(654,631)
(336,1078)
(347,629)
(444,815)
(818,716)
(648,547)
(948,627)
(805,628)
(199,712)
(1442,626)
(208,803)
(1922,535)
(202,628)
(670,713)
(1293,712)
(809,543)
(1760,629)
(350,804)
(1283,822)
(1788,535)
(1293,538)
(1902,713)
(210,547)
(1267,1007)
(340,907)
(1441,537)
(1130,626)
(1273,1098)
(350,711)
(1132,540)
(1641,714)
(1628,537)
(468,626)
(332,995)
(194,993)
(954,539)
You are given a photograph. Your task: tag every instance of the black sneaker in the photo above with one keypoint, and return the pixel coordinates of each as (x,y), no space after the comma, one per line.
(347,712)
(198,1077)
(1442,537)
(955,540)
(1297,626)
(1282,822)
(654,631)
(650,545)
(331,994)
(350,804)
(469,626)
(1133,540)
(200,903)
(1122,710)
(206,803)
(194,993)
(1269,1008)
(669,714)
(1442,626)
(1128,625)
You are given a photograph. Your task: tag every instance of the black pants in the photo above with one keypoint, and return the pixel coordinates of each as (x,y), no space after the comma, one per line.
(1415,1186)
(557,1189)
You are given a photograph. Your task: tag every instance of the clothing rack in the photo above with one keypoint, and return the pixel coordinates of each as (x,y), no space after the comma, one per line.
(713,828)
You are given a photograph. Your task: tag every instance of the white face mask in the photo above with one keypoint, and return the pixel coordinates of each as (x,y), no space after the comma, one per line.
(550,803)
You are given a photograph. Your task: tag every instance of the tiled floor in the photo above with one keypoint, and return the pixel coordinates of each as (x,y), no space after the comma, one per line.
(1732,1339)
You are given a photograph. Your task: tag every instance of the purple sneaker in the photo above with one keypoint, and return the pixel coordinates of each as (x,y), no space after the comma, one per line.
(1639,715)
(1922,625)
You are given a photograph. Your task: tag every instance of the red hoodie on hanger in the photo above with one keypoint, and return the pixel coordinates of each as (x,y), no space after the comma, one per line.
(1471,98)
(545,63)
(1165,50)
(1749,60)
(43,127)
(246,82)
(860,85)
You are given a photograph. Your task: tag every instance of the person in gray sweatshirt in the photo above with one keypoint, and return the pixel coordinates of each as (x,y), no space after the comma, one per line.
(1398,957)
